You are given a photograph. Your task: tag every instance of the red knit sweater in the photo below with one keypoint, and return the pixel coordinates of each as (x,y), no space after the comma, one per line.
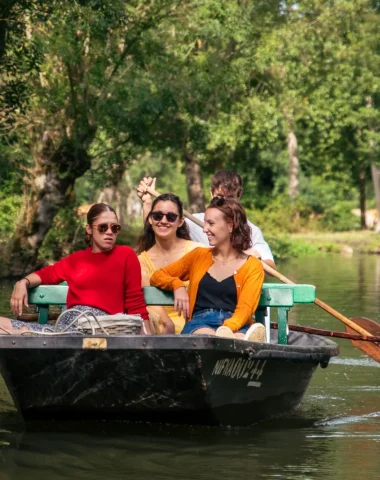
(110,281)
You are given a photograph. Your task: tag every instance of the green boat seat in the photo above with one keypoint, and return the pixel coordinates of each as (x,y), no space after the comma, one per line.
(280,296)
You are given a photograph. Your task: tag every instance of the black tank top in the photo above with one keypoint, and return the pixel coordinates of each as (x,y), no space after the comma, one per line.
(213,294)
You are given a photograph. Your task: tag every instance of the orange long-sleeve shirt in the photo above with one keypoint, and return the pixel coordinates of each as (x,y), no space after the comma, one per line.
(248,278)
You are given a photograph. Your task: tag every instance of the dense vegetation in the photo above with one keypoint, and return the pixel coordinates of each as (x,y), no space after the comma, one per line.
(94,94)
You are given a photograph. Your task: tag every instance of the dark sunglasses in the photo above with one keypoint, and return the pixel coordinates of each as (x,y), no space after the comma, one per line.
(170,216)
(103,227)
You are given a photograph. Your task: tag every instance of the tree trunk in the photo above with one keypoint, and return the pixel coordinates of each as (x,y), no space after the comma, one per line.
(50,188)
(111,196)
(5,12)
(111,193)
(375,172)
(195,192)
(362,197)
(292,144)
(375,169)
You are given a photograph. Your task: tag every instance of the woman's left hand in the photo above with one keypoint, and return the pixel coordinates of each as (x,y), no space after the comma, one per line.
(181,302)
(19,297)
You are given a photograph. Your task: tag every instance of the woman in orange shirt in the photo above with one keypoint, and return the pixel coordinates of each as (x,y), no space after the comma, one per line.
(224,283)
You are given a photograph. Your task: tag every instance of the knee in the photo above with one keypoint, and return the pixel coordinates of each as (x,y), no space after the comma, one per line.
(204,331)
(5,326)
(168,327)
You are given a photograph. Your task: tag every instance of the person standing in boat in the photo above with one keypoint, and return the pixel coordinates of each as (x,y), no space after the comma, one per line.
(224,282)
(104,278)
(165,239)
(224,184)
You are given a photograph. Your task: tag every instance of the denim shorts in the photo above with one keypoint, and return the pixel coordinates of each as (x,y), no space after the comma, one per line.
(209,318)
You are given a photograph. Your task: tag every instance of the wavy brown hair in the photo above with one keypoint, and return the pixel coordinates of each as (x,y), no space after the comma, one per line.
(229,181)
(148,238)
(235,215)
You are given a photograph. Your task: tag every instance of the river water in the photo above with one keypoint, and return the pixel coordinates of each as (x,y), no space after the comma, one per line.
(335,434)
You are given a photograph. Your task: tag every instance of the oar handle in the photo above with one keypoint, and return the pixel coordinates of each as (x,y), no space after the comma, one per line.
(342,318)
(329,333)
(276,274)
(283,279)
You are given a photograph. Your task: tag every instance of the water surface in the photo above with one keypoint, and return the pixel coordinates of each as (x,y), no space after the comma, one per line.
(334,435)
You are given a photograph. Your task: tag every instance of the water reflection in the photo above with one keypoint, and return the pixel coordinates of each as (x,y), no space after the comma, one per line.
(167,452)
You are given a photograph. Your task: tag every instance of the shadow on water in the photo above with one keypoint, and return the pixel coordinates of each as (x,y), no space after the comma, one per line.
(122,450)
(306,444)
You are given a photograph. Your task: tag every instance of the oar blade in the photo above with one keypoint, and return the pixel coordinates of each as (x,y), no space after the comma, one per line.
(371,349)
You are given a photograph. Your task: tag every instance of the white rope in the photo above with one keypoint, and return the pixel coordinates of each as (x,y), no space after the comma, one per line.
(75,320)
(82,314)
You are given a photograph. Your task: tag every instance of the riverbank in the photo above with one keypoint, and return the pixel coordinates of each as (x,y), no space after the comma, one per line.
(339,242)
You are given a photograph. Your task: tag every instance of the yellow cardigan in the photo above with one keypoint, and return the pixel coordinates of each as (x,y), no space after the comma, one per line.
(147,270)
(248,278)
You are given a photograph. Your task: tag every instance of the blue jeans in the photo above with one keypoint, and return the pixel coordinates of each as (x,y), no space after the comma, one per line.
(209,318)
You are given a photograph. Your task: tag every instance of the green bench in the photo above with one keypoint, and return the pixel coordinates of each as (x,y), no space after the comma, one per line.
(274,295)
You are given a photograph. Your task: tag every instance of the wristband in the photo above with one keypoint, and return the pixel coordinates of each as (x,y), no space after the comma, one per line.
(27,279)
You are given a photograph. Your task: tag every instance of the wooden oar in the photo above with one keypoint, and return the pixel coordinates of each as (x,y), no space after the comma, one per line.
(373,350)
(328,333)
(357,328)
(320,304)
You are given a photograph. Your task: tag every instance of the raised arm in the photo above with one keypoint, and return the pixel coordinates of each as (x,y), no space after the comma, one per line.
(146,198)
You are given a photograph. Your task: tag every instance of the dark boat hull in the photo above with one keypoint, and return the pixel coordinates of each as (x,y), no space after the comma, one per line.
(166,379)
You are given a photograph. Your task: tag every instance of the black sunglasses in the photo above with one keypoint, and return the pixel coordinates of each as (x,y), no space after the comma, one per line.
(103,227)
(170,216)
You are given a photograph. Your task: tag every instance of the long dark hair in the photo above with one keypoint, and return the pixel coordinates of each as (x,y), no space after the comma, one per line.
(235,215)
(148,238)
(94,212)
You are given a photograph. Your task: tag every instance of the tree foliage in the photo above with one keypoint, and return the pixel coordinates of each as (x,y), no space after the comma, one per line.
(90,87)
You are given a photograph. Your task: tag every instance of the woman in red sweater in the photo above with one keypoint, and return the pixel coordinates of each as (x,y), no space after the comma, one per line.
(224,282)
(104,278)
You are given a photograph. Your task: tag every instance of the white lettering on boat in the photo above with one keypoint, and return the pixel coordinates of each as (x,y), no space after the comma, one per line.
(238,368)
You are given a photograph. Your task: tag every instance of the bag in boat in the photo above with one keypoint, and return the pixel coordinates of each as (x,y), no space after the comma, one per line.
(89,323)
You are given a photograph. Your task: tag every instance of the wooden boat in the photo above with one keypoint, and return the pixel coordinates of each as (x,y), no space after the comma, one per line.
(166,379)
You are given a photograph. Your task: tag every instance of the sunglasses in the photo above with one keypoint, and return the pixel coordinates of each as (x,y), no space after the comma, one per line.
(170,216)
(103,227)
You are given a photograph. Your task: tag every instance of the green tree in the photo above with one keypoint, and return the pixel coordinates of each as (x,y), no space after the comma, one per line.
(87,50)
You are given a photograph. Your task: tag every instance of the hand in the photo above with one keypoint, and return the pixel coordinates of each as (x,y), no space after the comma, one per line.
(142,186)
(253,253)
(181,302)
(19,297)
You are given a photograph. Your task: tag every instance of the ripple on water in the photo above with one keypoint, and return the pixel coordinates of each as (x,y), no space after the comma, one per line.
(357,362)
(324,397)
(349,419)
(372,436)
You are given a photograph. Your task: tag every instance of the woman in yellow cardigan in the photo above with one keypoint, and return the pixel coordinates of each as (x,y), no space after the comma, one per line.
(224,283)
(165,239)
